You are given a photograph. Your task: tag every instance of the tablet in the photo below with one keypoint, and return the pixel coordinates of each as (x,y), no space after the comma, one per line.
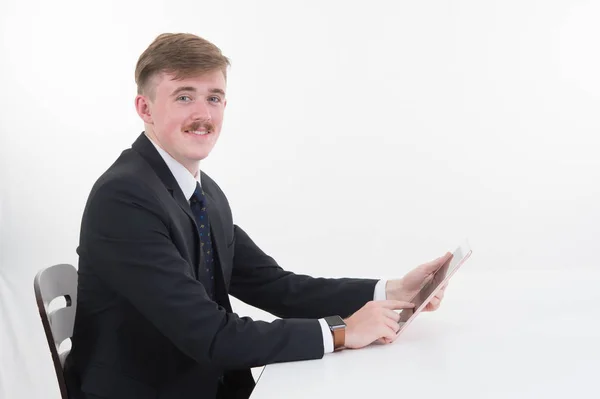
(440,278)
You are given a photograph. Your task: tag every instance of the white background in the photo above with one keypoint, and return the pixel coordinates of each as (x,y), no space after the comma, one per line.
(360,138)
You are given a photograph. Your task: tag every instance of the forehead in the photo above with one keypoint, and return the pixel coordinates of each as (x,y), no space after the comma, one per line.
(165,83)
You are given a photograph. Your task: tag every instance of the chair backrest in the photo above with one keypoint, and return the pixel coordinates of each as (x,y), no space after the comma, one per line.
(49,284)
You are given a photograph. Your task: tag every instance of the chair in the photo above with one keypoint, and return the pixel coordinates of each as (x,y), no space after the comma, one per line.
(49,284)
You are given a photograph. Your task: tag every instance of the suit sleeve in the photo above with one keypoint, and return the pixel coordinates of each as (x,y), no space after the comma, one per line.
(125,238)
(259,281)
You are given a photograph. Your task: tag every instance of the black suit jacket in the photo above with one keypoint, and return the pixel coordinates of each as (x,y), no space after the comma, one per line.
(145,326)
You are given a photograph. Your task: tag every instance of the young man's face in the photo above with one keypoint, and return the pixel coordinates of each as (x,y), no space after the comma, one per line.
(185,116)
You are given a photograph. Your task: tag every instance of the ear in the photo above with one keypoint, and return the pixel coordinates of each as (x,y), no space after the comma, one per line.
(142,106)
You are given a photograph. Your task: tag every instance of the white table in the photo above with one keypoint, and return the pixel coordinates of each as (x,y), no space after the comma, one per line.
(526,334)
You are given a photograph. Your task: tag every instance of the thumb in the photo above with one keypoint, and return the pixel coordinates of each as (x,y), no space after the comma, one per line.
(434,265)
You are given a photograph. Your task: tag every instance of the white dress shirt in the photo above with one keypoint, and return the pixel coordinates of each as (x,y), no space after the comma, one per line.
(187,183)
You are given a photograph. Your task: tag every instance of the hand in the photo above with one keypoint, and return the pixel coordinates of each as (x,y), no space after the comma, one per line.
(408,286)
(376,321)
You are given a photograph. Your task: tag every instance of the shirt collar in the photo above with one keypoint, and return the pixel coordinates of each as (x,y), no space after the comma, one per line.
(187,182)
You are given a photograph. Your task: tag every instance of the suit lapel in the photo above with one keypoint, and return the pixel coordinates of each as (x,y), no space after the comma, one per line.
(184,205)
(146,149)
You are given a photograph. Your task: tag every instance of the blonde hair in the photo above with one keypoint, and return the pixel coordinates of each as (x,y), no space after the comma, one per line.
(182,54)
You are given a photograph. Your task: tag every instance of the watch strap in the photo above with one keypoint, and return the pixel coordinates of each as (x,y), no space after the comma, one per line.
(337,326)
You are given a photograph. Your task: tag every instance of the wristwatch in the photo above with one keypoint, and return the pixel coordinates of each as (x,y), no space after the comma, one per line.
(338,330)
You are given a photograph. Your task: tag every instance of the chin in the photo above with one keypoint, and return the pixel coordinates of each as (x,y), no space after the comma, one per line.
(200,155)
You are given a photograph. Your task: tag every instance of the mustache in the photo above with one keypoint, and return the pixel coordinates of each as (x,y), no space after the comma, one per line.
(197,125)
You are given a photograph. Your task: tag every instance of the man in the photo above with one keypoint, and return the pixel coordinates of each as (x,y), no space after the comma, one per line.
(159,254)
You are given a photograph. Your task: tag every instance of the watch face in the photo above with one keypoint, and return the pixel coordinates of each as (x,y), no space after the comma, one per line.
(335,322)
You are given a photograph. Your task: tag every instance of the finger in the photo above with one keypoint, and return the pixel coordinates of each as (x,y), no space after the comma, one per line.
(440,295)
(391,315)
(393,325)
(434,304)
(442,290)
(390,332)
(393,304)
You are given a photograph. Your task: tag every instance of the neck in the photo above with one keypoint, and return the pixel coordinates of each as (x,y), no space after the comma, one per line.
(194,171)
(192,166)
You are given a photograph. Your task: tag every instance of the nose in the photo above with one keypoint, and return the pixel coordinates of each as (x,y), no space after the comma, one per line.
(201,111)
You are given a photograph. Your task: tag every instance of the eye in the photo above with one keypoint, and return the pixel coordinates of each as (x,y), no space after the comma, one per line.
(214,99)
(184,98)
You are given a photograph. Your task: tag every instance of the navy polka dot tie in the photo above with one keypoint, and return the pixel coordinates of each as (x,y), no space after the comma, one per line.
(198,205)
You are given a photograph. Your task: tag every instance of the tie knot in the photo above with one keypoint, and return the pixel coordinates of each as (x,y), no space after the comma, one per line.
(198,195)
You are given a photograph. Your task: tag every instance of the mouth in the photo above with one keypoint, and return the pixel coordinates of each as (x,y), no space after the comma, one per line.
(198,132)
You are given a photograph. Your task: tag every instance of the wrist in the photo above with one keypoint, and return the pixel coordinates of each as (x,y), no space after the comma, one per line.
(393,288)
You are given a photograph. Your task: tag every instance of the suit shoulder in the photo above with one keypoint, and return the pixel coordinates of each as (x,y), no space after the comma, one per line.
(212,187)
(129,172)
